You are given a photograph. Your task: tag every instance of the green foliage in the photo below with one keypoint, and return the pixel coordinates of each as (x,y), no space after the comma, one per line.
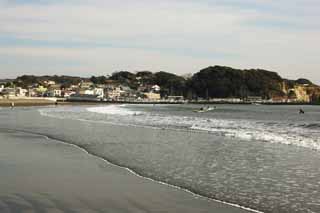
(223,82)
(303,81)
(170,84)
(98,80)
(211,82)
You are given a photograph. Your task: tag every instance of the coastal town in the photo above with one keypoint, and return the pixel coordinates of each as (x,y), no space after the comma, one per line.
(147,87)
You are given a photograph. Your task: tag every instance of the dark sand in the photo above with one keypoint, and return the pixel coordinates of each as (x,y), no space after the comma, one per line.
(44,175)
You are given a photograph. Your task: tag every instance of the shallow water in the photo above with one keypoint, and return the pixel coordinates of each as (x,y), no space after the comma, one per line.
(262,157)
(40,175)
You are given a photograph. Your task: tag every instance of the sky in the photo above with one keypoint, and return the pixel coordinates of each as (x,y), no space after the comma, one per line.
(98,37)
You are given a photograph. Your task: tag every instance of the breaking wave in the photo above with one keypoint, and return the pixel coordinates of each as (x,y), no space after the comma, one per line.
(114,110)
(303,135)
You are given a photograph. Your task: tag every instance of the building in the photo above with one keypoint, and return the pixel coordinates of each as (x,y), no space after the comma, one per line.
(99,92)
(20,92)
(67,93)
(85,92)
(54,91)
(86,85)
(152,96)
(8,92)
(49,83)
(155,88)
(114,93)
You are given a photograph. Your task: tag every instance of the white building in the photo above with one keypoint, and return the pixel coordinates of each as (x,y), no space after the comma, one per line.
(21,92)
(155,88)
(115,93)
(1,88)
(68,93)
(49,83)
(99,92)
(54,93)
(89,92)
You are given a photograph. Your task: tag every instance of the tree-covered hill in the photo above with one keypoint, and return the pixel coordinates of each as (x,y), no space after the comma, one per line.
(211,82)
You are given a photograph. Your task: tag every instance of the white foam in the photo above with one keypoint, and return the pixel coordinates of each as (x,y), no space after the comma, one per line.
(141,176)
(232,128)
(114,110)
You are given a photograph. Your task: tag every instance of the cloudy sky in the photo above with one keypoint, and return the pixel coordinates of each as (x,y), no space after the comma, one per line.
(97,37)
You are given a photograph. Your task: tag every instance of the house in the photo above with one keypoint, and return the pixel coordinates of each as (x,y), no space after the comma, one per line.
(114,93)
(54,91)
(1,88)
(155,88)
(9,92)
(86,85)
(152,96)
(85,92)
(21,92)
(49,82)
(99,92)
(67,93)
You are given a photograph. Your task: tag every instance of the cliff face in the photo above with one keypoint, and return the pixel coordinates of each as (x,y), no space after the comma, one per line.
(301,91)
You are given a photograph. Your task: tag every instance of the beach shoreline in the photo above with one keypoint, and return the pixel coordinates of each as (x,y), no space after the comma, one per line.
(29,102)
(60,171)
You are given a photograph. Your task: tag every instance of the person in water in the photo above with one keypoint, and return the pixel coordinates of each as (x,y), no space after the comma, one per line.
(12,105)
(301,111)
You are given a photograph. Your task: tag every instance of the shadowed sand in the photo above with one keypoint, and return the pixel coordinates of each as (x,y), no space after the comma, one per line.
(43,175)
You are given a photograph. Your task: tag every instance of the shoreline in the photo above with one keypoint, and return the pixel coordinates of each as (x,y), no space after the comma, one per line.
(21,102)
(172,198)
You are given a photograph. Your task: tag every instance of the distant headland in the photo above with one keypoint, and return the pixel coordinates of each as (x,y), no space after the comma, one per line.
(212,84)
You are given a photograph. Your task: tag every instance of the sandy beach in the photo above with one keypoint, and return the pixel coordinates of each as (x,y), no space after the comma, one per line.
(29,102)
(43,175)
(26,102)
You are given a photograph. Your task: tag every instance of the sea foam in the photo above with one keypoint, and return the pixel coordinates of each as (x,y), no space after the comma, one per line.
(306,135)
(114,110)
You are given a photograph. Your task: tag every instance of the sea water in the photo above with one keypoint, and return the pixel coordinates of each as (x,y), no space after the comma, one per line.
(262,157)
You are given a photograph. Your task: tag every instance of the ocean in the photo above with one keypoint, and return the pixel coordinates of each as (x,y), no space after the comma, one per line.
(265,158)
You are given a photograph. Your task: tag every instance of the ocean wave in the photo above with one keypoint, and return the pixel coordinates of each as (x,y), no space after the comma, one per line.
(131,170)
(311,126)
(273,132)
(113,110)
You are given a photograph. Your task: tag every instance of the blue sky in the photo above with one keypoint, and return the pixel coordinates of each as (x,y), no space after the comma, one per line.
(98,37)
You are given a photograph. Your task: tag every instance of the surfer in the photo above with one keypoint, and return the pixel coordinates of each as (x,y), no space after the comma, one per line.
(301,111)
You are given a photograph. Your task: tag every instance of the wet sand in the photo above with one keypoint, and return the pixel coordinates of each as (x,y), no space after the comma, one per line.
(39,102)
(43,175)
(25,102)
